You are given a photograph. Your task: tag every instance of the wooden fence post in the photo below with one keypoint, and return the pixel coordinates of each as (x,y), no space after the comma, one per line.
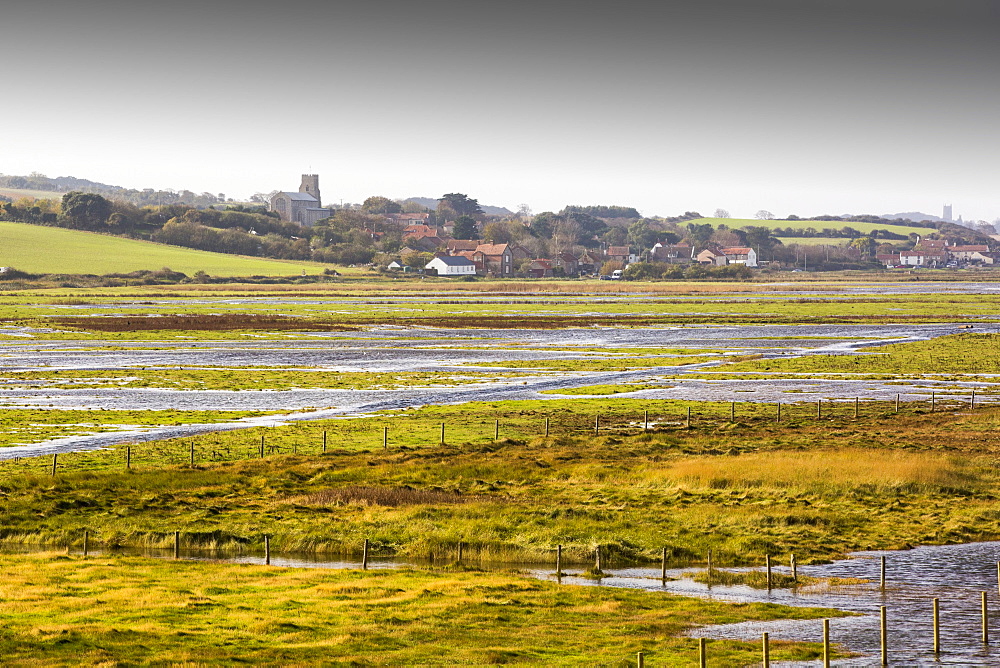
(826,643)
(546,427)
(262,446)
(645,420)
(461,550)
(702,653)
(884,634)
(972,404)
(795,569)
(778,417)
(819,408)
(55,461)
(128,456)
(192,453)
(767,559)
(732,412)
(385,438)
(766,647)
(856,407)
(882,573)
(937,627)
(597,424)
(364,556)
(688,422)
(709,565)
(986,620)
(442,433)
(558,561)
(932,401)
(663,565)
(324,440)
(86,547)
(177,545)
(897,402)
(267,550)
(597,558)
(496,431)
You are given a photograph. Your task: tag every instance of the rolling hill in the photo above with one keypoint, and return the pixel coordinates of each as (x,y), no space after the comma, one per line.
(736,223)
(53,250)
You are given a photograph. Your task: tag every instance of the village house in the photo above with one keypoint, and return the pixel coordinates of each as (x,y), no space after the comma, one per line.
(424,237)
(408,218)
(589,262)
(971,254)
(621,254)
(456,246)
(711,257)
(680,253)
(452,265)
(541,268)
(494,259)
(890,260)
(927,253)
(740,255)
(568,263)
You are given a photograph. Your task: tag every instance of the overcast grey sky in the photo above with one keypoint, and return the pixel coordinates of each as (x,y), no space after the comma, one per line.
(805,106)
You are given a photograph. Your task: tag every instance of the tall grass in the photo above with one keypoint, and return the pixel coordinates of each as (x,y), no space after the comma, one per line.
(824,471)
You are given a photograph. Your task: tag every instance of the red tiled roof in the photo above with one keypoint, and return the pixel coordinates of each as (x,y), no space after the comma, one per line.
(491,249)
(735,251)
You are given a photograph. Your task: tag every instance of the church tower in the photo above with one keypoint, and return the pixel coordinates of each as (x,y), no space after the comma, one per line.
(310,185)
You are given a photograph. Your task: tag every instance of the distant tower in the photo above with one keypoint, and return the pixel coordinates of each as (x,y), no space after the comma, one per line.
(310,184)
(946,216)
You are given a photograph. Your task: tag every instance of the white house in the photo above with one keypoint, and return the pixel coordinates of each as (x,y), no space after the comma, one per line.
(747,256)
(452,265)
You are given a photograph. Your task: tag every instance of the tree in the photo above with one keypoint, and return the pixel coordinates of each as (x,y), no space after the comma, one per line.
(760,238)
(504,232)
(85,209)
(461,204)
(383,205)
(721,213)
(699,233)
(465,228)
(866,245)
(417,259)
(641,235)
(764,214)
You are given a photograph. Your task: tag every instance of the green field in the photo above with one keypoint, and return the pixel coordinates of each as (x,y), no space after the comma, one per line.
(18,193)
(816,241)
(128,611)
(52,250)
(736,223)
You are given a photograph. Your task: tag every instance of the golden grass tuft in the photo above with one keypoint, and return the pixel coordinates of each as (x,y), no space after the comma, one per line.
(850,467)
(382,496)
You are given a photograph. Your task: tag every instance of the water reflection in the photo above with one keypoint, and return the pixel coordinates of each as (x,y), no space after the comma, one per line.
(955,574)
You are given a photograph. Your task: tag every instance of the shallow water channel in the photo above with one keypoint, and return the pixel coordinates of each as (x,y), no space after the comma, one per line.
(955,574)
(447,350)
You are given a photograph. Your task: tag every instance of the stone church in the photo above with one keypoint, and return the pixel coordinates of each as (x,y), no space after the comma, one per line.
(304,207)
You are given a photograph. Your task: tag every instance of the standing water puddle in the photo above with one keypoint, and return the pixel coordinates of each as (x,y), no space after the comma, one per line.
(954,574)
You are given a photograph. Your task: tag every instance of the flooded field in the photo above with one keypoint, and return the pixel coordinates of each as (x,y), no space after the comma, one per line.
(954,574)
(664,352)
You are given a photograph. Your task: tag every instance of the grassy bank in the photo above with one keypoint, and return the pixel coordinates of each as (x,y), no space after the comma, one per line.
(745,488)
(130,611)
(52,250)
